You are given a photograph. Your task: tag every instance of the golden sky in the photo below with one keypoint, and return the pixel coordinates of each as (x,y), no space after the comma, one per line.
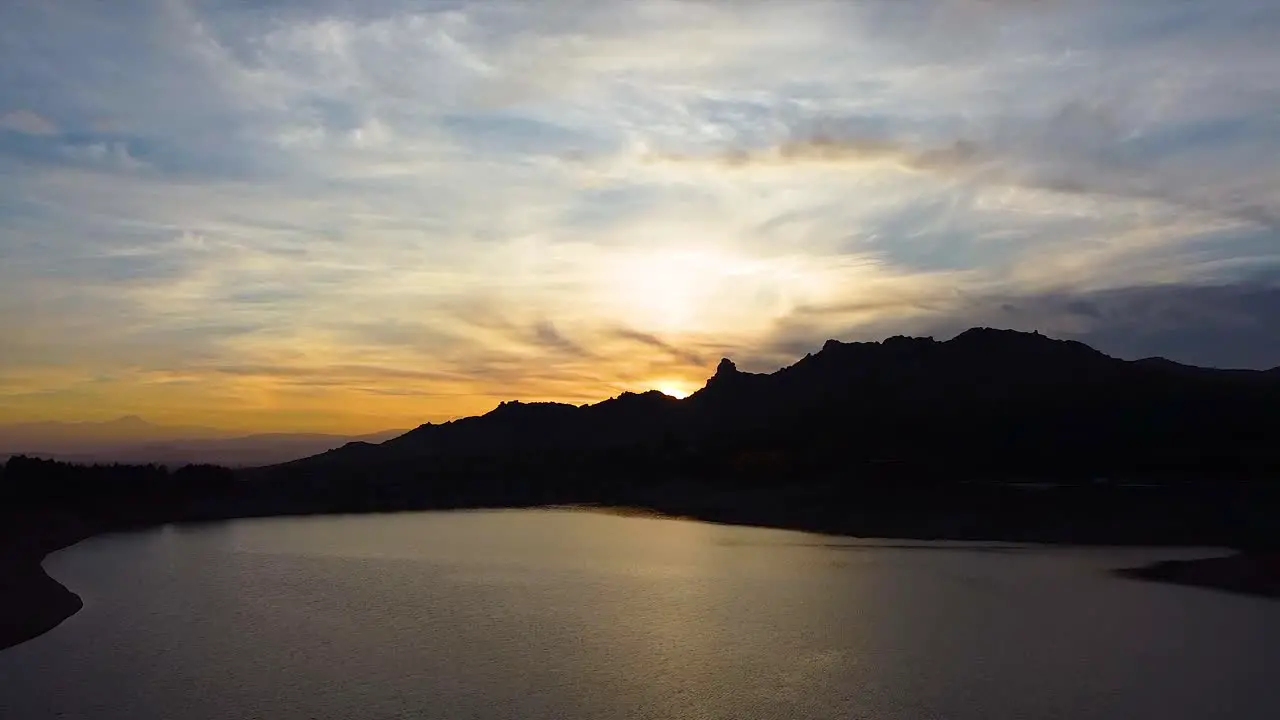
(347,217)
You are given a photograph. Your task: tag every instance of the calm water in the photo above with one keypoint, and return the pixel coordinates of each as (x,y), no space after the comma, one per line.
(538,614)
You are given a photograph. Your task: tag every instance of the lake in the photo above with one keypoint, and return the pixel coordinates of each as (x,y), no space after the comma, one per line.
(561,614)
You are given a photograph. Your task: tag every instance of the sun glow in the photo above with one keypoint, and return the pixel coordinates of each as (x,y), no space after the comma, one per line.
(674,388)
(691,291)
(665,291)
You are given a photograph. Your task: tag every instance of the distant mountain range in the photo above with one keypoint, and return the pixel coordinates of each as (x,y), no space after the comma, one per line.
(985,402)
(129,428)
(131,439)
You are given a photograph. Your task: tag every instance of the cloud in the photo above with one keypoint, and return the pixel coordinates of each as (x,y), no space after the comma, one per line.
(1213,325)
(682,354)
(27,122)
(390,211)
(827,149)
(548,336)
(112,155)
(1233,326)
(1074,151)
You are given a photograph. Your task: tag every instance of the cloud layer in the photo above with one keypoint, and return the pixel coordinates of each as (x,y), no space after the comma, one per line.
(345,216)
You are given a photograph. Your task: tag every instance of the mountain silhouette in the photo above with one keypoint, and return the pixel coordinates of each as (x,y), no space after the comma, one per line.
(991,435)
(517,426)
(985,402)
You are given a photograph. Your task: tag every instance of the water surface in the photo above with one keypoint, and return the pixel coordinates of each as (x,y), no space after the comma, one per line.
(541,614)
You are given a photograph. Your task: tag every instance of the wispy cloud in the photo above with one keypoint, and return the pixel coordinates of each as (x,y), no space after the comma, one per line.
(682,354)
(1075,151)
(26,122)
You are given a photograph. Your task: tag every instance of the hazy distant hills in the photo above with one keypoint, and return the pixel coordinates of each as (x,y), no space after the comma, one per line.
(986,401)
(134,440)
(129,428)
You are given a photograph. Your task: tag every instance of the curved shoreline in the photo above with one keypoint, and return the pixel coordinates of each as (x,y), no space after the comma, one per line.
(36,603)
(1254,574)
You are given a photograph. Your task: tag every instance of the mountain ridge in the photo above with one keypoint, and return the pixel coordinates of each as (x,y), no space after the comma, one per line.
(1031,400)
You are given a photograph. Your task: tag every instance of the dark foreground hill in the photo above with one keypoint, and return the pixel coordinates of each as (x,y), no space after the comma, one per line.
(992,404)
(990,435)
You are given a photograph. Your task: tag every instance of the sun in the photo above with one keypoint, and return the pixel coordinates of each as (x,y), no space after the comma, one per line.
(676,390)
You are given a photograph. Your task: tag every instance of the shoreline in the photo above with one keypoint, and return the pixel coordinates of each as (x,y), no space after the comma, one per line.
(36,603)
(1242,573)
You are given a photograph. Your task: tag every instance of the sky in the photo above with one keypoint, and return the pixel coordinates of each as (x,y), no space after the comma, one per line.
(346,216)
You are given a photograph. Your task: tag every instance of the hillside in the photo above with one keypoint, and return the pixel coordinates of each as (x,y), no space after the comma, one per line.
(988,402)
